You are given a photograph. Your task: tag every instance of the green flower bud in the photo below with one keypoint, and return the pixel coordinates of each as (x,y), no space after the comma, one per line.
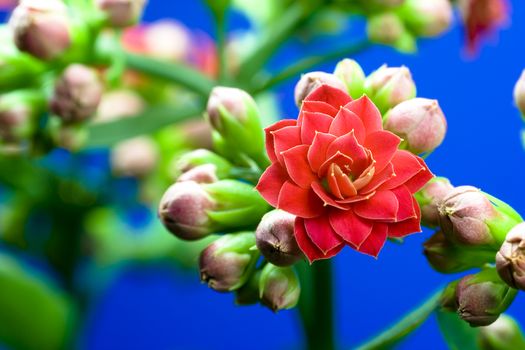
(18,112)
(504,334)
(121,13)
(430,197)
(352,75)
(226,264)
(234,116)
(389,86)
(276,240)
(311,81)
(473,218)
(135,157)
(279,287)
(481,298)
(510,260)
(519,94)
(200,157)
(72,137)
(427,18)
(387,28)
(447,257)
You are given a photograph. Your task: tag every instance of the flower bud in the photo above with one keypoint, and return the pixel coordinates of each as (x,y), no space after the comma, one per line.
(276,240)
(467,216)
(388,29)
(311,81)
(352,75)
(136,157)
(447,257)
(389,86)
(18,112)
(77,94)
(234,116)
(504,334)
(510,260)
(41,28)
(227,263)
(429,199)
(420,122)
(118,104)
(427,18)
(519,94)
(248,294)
(121,13)
(168,40)
(481,298)
(72,137)
(279,287)
(196,158)
(206,173)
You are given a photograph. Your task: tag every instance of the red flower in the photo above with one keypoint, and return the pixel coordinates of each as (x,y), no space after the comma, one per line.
(342,175)
(480,17)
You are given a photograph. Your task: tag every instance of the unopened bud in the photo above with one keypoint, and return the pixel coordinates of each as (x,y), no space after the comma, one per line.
(119,104)
(199,157)
(389,86)
(429,199)
(18,110)
(481,298)
(135,157)
(77,94)
(167,40)
(248,294)
(228,263)
(311,81)
(504,334)
(388,29)
(206,173)
(510,260)
(427,18)
(234,116)
(420,122)
(41,28)
(121,13)
(352,75)
(279,287)
(467,216)
(276,240)
(519,94)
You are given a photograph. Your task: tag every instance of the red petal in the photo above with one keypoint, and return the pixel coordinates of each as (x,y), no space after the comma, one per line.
(299,201)
(346,121)
(270,183)
(342,160)
(286,138)
(325,197)
(317,106)
(379,179)
(407,227)
(297,166)
(350,227)
(317,151)
(321,233)
(420,179)
(382,206)
(348,145)
(310,250)
(368,112)
(270,149)
(333,96)
(406,204)
(406,166)
(383,145)
(312,123)
(355,199)
(375,241)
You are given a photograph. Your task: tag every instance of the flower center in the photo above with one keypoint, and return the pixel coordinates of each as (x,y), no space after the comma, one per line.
(343,183)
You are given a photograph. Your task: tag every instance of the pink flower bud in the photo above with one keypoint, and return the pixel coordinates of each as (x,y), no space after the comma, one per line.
(428,18)
(206,173)
(311,81)
(279,287)
(385,28)
(136,157)
(389,86)
(276,240)
(77,94)
(167,40)
(519,94)
(420,122)
(41,28)
(463,215)
(510,260)
(183,210)
(352,75)
(119,104)
(504,334)
(430,197)
(14,123)
(122,13)
(226,100)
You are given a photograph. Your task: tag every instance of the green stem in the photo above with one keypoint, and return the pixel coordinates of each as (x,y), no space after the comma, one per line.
(308,64)
(221,21)
(316,305)
(405,326)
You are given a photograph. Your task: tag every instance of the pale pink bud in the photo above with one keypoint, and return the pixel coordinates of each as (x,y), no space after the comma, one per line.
(428,18)
(311,81)
(41,28)
(389,86)
(122,13)
(77,94)
(430,197)
(15,123)
(206,173)
(519,94)
(167,40)
(136,157)
(119,104)
(226,100)
(420,122)
(510,260)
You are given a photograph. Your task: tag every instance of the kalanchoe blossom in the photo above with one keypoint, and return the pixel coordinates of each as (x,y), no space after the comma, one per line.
(420,122)
(41,28)
(430,198)
(311,81)
(510,260)
(519,94)
(342,175)
(481,17)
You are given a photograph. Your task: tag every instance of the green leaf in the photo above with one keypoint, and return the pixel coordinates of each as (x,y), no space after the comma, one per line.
(457,333)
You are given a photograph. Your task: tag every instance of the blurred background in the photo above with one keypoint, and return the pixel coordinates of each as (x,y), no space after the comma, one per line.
(160,304)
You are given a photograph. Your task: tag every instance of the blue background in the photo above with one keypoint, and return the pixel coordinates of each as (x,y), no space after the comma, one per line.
(158,308)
